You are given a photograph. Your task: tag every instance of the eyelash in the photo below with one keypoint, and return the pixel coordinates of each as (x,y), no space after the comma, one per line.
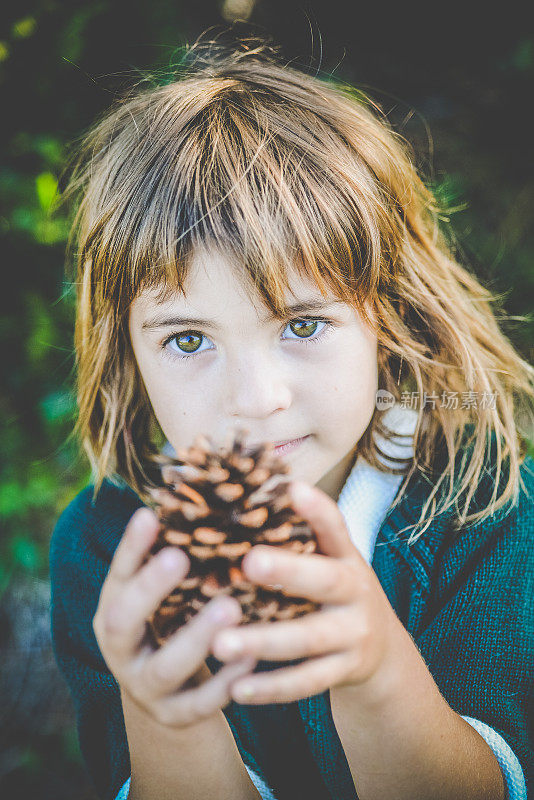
(309,340)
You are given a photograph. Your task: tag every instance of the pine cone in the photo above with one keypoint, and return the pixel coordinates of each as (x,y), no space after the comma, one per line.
(216,505)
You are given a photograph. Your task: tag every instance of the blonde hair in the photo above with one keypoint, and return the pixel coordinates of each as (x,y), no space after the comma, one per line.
(284,170)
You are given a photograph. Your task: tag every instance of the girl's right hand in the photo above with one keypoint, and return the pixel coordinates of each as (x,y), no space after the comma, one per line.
(155,679)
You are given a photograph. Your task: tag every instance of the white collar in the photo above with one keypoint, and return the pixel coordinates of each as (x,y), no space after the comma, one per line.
(368,493)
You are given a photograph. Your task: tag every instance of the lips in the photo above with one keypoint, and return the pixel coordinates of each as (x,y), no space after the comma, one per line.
(288,447)
(290,441)
(281,443)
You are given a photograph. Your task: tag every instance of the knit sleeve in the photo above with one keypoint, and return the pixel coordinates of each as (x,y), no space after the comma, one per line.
(81,549)
(479,639)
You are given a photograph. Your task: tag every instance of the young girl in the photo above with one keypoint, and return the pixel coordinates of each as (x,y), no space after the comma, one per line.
(256,248)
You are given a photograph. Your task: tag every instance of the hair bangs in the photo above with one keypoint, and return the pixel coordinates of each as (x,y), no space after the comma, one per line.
(246,185)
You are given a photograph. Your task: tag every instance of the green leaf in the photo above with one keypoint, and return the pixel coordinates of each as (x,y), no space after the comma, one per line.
(24,27)
(25,553)
(46,187)
(23,219)
(51,231)
(50,149)
(12,499)
(58,406)
(41,331)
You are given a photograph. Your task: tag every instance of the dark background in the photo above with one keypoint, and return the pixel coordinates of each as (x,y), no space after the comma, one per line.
(458,85)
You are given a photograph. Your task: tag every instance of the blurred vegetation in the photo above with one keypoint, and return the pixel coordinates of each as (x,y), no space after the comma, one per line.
(459,97)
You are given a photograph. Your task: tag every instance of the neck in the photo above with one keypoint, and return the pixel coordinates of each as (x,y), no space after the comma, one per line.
(334,480)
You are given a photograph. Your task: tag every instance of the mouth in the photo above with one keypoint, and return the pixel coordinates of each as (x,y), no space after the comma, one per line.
(289,446)
(284,446)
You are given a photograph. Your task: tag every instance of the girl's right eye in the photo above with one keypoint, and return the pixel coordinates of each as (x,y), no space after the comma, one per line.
(188,343)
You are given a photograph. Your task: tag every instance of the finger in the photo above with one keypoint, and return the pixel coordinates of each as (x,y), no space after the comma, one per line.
(319,578)
(325,518)
(292,683)
(203,701)
(315,634)
(185,651)
(139,535)
(122,620)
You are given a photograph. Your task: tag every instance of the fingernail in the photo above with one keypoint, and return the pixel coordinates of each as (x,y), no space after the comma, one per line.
(171,560)
(300,492)
(229,644)
(221,612)
(259,564)
(243,692)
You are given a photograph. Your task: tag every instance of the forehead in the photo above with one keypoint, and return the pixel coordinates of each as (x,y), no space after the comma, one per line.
(215,285)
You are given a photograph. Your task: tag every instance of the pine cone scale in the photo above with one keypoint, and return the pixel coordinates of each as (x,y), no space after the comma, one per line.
(177,538)
(229,491)
(209,536)
(254,518)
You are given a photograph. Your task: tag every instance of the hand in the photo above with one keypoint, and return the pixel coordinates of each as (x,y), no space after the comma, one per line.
(352,641)
(155,678)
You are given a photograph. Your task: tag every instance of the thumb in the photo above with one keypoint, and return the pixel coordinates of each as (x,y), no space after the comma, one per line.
(324,517)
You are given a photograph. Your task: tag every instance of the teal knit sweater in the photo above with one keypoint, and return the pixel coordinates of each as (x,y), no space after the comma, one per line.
(466,597)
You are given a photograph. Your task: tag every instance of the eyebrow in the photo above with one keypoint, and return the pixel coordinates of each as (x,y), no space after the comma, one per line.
(296,308)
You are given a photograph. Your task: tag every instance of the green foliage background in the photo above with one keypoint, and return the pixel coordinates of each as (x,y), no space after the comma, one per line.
(459,93)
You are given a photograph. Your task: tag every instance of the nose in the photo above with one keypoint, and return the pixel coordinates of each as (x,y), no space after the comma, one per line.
(256,388)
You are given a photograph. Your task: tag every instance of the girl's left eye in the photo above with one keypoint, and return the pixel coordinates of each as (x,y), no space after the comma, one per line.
(190,340)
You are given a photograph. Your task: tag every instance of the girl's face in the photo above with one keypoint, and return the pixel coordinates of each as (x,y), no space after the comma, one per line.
(214,360)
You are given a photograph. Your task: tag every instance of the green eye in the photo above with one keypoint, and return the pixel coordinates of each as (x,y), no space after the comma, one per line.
(188,342)
(308,329)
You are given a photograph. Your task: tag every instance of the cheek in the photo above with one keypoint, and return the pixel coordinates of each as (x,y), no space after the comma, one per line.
(182,408)
(166,395)
(347,390)
(160,399)
(351,370)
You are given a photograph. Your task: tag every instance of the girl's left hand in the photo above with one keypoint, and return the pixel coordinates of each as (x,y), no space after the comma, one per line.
(353,640)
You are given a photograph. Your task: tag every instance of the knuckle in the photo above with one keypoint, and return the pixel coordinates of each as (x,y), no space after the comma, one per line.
(204,707)
(364,582)
(365,631)
(162,713)
(112,621)
(187,714)
(333,579)
(352,577)
(149,579)
(158,673)
(356,662)
(98,630)
(312,639)
(360,629)
(131,686)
